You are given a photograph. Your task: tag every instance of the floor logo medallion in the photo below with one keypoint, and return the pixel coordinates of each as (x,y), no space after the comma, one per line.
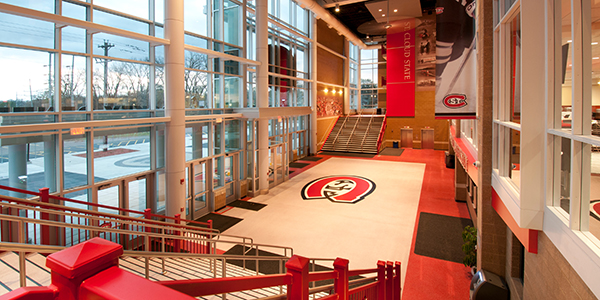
(338,188)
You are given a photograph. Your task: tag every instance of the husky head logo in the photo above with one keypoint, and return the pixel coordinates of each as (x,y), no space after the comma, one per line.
(346,189)
(595,209)
(455,101)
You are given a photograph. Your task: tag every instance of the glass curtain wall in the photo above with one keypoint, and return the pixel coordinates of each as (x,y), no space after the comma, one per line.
(353,76)
(71,74)
(369,79)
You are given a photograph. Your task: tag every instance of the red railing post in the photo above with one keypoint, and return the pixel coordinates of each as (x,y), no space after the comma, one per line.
(70,267)
(209,244)
(397,281)
(45,229)
(380,280)
(389,282)
(341,284)
(297,266)
(147,216)
(177,242)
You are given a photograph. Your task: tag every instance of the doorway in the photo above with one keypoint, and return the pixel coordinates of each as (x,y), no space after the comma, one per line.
(197,194)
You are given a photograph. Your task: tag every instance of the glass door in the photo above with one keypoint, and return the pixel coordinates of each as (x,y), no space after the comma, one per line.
(276,163)
(199,190)
(197,193)
(136,195)
(231,177)
(109,194)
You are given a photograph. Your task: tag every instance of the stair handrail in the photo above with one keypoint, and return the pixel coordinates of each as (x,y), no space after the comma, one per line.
(121,210)
(329,130)
(30,204)
(381,132)
(362,143)
(353,130)
(148,236)
(213,237)
(340,130)
(386,283)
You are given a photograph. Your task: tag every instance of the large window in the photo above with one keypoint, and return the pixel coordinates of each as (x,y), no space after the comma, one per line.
(369,78)
(507,100)
(575,114)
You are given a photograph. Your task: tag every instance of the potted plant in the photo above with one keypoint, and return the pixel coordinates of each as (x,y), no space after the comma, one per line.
(469,236)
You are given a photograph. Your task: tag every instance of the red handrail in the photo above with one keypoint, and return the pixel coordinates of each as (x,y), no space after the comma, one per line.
(214,286)
(383,127)
(101,276)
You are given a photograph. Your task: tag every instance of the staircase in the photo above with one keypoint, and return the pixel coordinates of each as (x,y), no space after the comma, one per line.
(163,253)
(160,269)
(358,134)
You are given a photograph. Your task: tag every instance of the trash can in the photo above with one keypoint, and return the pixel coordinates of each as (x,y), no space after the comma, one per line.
(395,144)
(487,286)
(449,160)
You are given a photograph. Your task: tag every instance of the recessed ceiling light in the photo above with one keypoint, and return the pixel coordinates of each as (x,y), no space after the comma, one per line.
(594,43)
(383,15)
(569,41)
(395,10)
(337,8)
(380,9)
(596,57)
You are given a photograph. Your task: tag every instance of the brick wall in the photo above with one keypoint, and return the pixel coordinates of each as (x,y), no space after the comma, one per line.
(549,276)
(329,37)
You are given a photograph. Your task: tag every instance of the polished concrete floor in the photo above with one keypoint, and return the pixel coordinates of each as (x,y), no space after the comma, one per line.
(379,227)
(382,226)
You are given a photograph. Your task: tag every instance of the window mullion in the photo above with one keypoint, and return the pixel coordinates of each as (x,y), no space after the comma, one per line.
(576,181)
(577,69)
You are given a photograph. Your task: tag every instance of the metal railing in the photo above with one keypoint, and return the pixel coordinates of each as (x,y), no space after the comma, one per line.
(44,196)
(353,130)
(329,130)
(339,131)
(152,241)
(362,143)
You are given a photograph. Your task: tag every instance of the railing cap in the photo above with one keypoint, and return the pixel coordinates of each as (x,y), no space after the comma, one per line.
(341,262)
(85,257)
(297,263)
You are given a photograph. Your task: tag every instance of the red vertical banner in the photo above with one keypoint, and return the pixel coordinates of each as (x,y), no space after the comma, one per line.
(401,69)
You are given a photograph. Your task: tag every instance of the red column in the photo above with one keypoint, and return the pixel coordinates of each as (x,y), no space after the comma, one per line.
(297,266)
(381,280)
(389,282)
(341,285)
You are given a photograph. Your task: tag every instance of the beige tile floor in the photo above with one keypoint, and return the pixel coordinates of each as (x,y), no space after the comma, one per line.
(380,227)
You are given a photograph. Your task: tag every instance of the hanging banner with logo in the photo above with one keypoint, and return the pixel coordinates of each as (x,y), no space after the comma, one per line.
(456,60)
(401,69)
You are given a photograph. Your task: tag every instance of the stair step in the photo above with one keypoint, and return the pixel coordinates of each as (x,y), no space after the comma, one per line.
(37,273)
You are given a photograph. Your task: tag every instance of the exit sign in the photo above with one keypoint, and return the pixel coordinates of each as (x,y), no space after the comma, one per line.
(78,131)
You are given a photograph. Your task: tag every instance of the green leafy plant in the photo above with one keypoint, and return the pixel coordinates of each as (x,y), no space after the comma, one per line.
(469,236)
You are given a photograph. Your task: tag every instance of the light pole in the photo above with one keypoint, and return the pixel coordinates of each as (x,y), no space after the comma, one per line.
(106,46)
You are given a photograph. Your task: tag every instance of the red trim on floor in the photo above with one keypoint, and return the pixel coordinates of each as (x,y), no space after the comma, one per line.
(426,277)
(223,210)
